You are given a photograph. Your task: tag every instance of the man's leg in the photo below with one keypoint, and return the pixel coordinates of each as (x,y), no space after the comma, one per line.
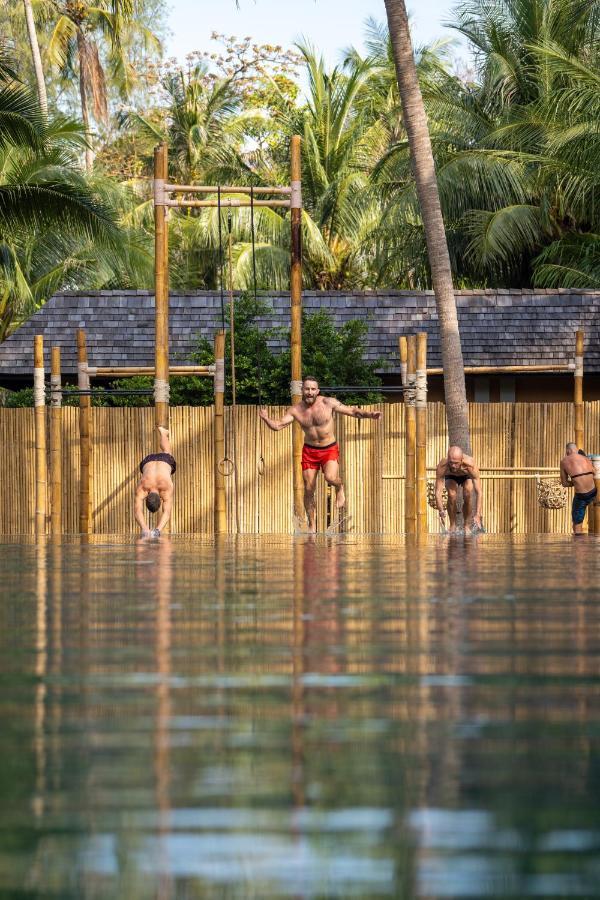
(165,441)
(331,471)
(577,515)
(310,482)
(467,489)
(452,489)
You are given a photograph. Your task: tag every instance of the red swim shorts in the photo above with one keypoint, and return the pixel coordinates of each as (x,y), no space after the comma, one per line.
(316,457)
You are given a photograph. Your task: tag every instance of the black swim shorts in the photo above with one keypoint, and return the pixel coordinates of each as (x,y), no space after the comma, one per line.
(159,457)
(580,504)
(458,479)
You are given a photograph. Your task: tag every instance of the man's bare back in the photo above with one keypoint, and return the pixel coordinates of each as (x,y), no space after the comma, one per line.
(157,476)
(580,473)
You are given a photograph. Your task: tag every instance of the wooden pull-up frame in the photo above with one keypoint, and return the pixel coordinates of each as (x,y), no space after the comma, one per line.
(168,195)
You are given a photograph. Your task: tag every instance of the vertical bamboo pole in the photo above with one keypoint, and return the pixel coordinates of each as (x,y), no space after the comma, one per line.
(296,315)
(55,444)
(161,288)
(410,502)
(578,389)
(85,403)
(421,433)
(41,466)
(403,348)
(219,434)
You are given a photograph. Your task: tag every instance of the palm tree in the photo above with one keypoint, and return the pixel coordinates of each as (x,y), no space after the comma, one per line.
(36,56)
(415,122)
(56,229)
(75,36)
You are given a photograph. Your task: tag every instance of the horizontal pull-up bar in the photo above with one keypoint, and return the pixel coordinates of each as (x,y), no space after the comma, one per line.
(508,370)
(131,371)
(225,189)
(501,476)
(102,392)
(226,202)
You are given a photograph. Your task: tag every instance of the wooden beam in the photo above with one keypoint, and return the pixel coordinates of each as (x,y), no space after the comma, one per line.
(219,435)
(161,292)
(421,433)
(55,444)
(41,464)
(410,437)
(224,188)
(85,406)
(296,317)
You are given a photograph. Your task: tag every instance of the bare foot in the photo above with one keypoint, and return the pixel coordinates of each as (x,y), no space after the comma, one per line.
(340,497)
(163,430)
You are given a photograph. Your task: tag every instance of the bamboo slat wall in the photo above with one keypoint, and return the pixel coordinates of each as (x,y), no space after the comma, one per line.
(503,434)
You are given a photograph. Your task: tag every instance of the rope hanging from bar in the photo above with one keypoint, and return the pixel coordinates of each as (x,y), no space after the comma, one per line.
(225,466)
(221,258)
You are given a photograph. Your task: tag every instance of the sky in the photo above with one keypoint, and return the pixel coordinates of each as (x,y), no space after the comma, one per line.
(329,25)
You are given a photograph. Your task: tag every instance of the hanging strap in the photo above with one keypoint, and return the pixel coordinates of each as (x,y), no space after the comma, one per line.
(221,259)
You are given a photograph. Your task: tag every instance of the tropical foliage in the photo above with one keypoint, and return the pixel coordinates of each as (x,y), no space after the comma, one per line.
(515,143)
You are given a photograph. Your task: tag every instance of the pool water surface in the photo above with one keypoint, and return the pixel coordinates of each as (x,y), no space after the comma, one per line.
(262,717)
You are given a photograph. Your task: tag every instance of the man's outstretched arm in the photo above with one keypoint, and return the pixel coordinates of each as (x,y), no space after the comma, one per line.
(354,411)
(478,491)
(564,477)
(276,424)
(138,509)
(440,484)
(167,507)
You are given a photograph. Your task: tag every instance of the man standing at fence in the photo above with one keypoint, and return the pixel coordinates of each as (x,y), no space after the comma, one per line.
(156,486)
(576,471)
(314,414)
(454,471)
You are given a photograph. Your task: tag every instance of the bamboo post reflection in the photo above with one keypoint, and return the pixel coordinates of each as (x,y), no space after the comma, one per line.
(298,712)
(163,582)
(56,591)
(417,613)
(41,662)
(161,578)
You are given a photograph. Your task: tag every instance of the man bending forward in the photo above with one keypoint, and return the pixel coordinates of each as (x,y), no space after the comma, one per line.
(156,485)
(454,471)
(314,413)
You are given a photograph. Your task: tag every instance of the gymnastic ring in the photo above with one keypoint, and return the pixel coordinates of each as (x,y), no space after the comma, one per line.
(261,465)
(225,467)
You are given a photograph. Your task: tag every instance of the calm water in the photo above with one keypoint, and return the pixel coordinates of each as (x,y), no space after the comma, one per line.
(280,717)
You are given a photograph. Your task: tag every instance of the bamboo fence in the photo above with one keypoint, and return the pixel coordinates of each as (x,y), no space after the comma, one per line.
(503,435)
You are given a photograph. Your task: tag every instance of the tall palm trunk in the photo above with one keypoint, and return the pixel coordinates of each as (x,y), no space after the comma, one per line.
(82,51)
(36,56)
(415,122)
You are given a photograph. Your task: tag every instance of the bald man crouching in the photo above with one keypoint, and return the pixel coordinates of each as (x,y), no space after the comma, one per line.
(454,471)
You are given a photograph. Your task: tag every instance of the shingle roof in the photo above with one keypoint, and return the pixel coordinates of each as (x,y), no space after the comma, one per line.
(499,327)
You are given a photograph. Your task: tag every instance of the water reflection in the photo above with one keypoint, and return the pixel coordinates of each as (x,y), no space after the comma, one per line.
(310,717)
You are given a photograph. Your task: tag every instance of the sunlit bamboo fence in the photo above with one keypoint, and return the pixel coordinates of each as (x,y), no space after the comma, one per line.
(503,435)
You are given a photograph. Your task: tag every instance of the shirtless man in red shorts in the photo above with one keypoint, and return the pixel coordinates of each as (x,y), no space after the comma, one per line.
(314,413)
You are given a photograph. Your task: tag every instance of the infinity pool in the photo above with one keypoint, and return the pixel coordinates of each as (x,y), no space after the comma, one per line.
(265,717)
